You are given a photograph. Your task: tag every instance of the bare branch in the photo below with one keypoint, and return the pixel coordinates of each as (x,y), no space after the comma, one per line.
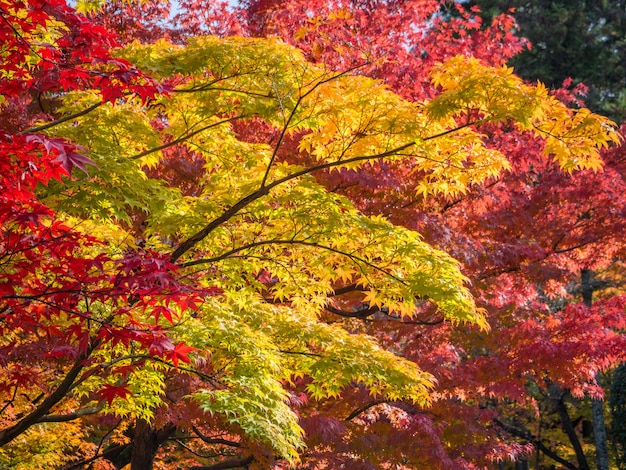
(63,119)
(71,416)
(358,313)
(214,440)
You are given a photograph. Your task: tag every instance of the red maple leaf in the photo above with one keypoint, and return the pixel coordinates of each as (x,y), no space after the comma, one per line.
(110,392)
(181,353)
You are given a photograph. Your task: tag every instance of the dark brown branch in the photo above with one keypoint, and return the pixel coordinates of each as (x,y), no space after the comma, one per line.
(226,464)
(10,401)
(358,313)
(555,251)
(363,409)
(557,395)
(109,453)
(186,137)
(572,248)
(226,215)
(70,416)
(352,257)
(91,108)
(214,440)
(63,119)
(299,353)
(535,441)
(283,132)
(230,90)
(212,455)
(337,292)
(148,357)
(189,243)
(8,434)
(347,290)
(366,312)
(208,86)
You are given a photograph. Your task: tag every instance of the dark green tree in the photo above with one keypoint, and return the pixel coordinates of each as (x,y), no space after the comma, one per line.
(580,39)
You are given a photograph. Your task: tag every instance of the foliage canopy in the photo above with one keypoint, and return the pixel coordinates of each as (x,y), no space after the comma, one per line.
(131,292)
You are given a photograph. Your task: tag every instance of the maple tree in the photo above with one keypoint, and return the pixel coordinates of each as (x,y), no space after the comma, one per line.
(581,238)
(199,306)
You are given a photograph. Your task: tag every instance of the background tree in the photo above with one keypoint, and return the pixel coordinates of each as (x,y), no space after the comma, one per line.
(580,40)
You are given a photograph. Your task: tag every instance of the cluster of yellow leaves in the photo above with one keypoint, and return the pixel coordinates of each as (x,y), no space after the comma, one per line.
(46,447)
(573,138)
(259,346)
(277,243)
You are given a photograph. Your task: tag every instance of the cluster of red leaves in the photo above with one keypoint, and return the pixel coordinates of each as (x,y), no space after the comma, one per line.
(62,295)
(48,48)
(397,42)
(51,281)
(523,240)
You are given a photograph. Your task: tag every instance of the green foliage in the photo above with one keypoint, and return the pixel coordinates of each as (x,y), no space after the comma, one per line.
(274,245)
(44,446)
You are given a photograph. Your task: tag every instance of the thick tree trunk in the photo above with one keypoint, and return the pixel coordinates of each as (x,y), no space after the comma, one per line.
(597,406)
(146,443)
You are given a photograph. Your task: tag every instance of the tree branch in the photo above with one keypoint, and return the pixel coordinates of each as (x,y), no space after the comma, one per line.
(190,242)
(535,441)
(8,434)
(226,464)
(359,313)
(347,290)
(283,131)
(111,452)
(354,258)
(71,416)
(214,440)
(61,120)
(186,137)
(363,409)
(557,395)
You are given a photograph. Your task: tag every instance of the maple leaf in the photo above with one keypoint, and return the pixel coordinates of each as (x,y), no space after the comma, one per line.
(70,159)
(160,346)
(167,313)
(110,392)
(181,353)
(69,155)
